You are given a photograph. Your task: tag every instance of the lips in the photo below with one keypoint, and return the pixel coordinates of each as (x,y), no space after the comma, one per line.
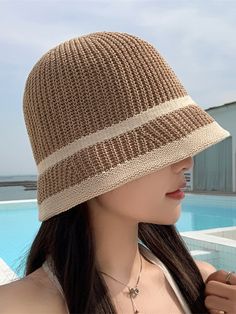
(183,185)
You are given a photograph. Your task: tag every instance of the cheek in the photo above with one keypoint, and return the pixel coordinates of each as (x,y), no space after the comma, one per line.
(145,205)
(163,214)
(167,213)
(138,201)
(142,200)
(148,198)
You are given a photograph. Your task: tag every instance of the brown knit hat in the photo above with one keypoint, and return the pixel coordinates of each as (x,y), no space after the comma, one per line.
(104,109)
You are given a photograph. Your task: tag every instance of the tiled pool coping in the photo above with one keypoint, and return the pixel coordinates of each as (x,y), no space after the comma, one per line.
(215,236)
(214,246)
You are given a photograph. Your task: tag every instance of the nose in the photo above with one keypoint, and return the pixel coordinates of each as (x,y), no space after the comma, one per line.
(184,164)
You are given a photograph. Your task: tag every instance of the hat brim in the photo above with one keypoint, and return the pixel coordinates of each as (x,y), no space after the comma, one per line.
(115,160)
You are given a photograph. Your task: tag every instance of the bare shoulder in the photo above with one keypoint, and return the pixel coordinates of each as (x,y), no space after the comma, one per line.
(31,294)
(205,269)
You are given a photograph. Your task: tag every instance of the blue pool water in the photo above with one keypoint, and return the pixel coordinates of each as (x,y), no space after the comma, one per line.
(201,212)
(19,222)
(18,226)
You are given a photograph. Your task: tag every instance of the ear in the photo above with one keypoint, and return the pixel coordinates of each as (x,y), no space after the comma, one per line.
(205,269)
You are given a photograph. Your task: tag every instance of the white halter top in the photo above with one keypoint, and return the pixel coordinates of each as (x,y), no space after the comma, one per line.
(148,254)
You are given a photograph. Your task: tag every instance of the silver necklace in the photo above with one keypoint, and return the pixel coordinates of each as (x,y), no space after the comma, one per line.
(133,292)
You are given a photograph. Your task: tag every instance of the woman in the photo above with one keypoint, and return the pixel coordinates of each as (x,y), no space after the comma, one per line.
(112,131)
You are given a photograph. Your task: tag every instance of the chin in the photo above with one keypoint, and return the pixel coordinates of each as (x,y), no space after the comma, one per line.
(175,221)
(170,216)
(170,220)
(174,214)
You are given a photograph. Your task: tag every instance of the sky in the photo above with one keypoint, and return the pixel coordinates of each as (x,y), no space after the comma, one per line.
(196,37)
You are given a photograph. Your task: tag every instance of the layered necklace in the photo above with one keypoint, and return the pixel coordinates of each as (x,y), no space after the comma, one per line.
(133,292)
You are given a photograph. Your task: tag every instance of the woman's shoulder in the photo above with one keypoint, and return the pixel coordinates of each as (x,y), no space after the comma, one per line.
(34,293)
(205,269)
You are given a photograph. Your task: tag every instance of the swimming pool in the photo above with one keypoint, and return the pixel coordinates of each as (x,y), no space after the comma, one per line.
(19,222)
(18,226)
(206,211)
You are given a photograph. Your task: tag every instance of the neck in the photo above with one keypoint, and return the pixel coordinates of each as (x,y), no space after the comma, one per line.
(116,246)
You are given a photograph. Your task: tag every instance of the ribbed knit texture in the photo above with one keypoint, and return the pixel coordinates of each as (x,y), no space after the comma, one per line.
(104,109)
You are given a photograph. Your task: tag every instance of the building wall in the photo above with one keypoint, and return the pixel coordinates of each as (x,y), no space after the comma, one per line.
(212,169)
(226,116)
(215,167)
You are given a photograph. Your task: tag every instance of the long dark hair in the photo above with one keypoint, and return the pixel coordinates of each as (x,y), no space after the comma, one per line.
(68,239)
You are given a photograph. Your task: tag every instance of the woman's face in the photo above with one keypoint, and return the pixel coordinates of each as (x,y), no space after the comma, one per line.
(145,199)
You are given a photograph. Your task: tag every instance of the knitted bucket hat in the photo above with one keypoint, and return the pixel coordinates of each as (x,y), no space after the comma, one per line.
(104,109)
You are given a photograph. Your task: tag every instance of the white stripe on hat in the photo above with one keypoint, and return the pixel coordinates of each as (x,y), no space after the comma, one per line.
(114,130)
